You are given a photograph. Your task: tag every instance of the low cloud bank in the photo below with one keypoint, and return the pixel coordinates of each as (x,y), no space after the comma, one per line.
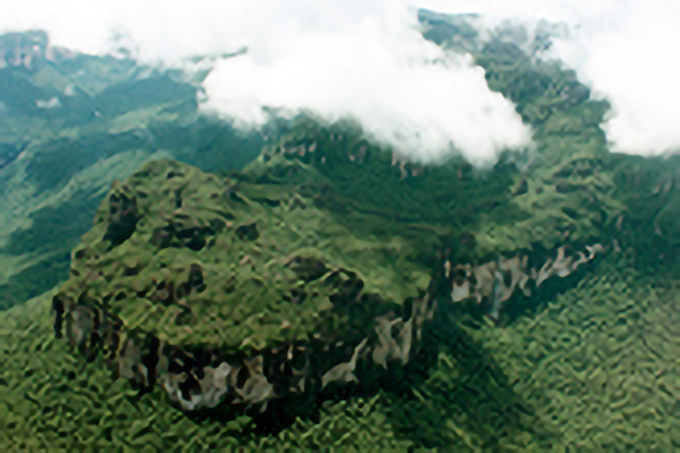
(366,59)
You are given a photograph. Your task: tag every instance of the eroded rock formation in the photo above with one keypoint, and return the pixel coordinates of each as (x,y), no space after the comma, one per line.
(496,281)
(230,292)
(217,291)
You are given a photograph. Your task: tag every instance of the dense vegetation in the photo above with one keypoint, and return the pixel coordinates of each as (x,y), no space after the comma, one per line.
(581,361)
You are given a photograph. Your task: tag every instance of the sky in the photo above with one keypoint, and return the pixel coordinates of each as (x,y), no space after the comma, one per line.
(366,59)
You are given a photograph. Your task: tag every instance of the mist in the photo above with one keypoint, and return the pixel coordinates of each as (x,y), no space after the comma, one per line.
(367,60)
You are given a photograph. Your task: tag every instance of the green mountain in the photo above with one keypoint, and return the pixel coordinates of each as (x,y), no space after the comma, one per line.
(573,161)
(320,292)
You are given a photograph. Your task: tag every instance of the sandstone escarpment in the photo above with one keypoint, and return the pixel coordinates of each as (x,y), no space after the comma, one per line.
(230,293)
(496,281)
(276,282)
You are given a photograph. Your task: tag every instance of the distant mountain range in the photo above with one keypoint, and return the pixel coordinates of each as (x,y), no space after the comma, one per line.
(69,125)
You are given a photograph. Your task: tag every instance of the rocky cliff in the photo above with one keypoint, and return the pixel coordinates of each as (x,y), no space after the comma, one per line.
(262,293)
(275,282)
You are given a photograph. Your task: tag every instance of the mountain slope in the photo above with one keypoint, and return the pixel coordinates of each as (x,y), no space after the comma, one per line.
(69,125)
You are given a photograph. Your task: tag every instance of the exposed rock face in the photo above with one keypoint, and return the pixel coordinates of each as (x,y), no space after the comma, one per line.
(310,272)
(496,281)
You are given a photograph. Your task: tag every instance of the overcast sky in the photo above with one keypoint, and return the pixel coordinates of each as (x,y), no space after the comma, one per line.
(366,59)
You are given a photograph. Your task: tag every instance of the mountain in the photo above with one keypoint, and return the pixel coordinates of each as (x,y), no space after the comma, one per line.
(271,308)
(318,290)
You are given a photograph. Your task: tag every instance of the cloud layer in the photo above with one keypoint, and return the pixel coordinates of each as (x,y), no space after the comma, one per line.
(366,59)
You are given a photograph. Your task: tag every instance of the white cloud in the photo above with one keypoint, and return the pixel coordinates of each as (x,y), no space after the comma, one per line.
(52,103)
(631,59)
(625,50)
(386,79)
(365,58)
